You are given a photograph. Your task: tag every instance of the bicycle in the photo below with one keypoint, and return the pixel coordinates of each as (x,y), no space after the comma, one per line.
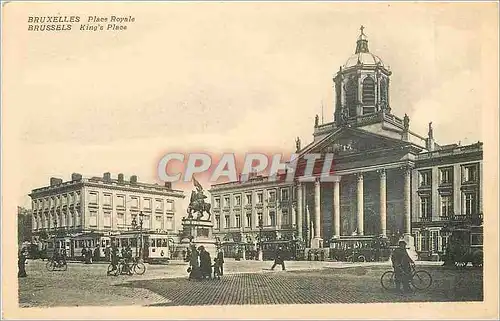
(52,265)
(419,279)
(122,267)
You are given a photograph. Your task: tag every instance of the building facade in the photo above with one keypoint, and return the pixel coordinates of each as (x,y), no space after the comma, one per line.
(391,182)
(244,212)
(102,205)
(447,188)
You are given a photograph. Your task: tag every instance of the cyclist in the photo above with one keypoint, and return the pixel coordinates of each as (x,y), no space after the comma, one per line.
(401,262)
(114,257)
(127,258)
(56,257)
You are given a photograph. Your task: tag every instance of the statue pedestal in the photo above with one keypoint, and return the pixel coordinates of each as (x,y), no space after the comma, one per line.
(199,232)
(410,247)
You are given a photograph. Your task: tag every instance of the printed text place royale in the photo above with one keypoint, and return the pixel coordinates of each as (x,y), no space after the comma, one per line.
(112,19)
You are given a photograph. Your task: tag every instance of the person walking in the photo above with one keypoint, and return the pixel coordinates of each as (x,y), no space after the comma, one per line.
(220,261)
(114,258)
(401,262)
(205,263)
(21,263)
(279,259)
(194,264)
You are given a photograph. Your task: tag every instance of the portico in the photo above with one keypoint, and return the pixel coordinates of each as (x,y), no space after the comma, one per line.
(326,228)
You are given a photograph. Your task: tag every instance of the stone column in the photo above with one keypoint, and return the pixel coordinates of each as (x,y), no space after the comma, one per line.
(410,242)
(317,215)
(336,208)
(407,198)
(299,205)
(360,208)
(383,203)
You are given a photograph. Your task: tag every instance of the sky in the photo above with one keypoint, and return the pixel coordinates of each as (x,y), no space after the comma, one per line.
(222,77)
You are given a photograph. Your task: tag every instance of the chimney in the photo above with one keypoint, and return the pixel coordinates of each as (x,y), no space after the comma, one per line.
(55,181)
(133,179)
(107,176)
(168,185)
(76,177)
(120,178)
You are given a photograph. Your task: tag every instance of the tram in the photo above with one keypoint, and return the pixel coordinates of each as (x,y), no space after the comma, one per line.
(359,249)
(156,248)
(289,249)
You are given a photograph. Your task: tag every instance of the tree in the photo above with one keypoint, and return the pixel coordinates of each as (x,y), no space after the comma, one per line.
(24,224)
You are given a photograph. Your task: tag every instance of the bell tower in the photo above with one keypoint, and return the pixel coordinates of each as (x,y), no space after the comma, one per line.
(361,84)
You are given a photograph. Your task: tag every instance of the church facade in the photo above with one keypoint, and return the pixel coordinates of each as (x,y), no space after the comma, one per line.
(391,182)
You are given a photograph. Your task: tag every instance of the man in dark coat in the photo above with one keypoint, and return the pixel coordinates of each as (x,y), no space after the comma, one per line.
(21,263)
(205,263)
(279,259)
(401,262)
(220,262)
(194,265)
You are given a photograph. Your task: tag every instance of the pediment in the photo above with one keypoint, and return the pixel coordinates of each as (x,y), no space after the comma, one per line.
(353,141)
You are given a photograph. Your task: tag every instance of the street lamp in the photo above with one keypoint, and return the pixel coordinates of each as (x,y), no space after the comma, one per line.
(55,231)
(261,226)
(141,215)
(134,227)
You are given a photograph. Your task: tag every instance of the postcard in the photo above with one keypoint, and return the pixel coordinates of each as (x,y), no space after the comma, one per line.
(250,160)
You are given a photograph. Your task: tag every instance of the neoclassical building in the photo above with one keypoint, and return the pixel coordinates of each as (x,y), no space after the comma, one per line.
(392,182)
(104,206)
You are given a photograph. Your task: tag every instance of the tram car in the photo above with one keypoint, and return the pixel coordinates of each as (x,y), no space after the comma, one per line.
(464,246)
(269,249)
(156,248)
(359,249)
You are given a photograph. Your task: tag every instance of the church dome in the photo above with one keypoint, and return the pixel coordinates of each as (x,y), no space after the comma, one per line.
(362,54)
(365,58)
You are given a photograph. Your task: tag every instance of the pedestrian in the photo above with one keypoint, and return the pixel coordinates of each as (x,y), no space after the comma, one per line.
(194,264)
(279,259)
(97,253)
(84,254)
(63,256)
(88,256)
(21,263)
(205,263)
(217,269)
(220,261)
(114,258)
(401,262)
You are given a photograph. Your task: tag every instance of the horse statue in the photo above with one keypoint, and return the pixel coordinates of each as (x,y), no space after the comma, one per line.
(197,203)
(199,207)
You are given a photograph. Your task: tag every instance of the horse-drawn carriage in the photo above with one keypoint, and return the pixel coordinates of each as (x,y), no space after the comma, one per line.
(465,245)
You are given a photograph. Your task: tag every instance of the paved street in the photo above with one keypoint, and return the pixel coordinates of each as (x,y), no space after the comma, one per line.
(245,282)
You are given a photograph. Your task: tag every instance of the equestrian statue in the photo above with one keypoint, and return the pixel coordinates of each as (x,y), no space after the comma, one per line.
(197,203)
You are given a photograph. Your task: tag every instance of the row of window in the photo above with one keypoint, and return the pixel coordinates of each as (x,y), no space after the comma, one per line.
(469,205)
(469,174)
(73,220)
(135,201)
(55,201)
(63,220)
(271,197)
(120,221)
(236,223)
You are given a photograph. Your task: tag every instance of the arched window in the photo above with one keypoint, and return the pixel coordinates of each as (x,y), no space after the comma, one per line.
(368,91)
(383,92)
(350,96)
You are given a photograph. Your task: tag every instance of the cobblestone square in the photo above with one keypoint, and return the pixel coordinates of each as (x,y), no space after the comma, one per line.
(243,283)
